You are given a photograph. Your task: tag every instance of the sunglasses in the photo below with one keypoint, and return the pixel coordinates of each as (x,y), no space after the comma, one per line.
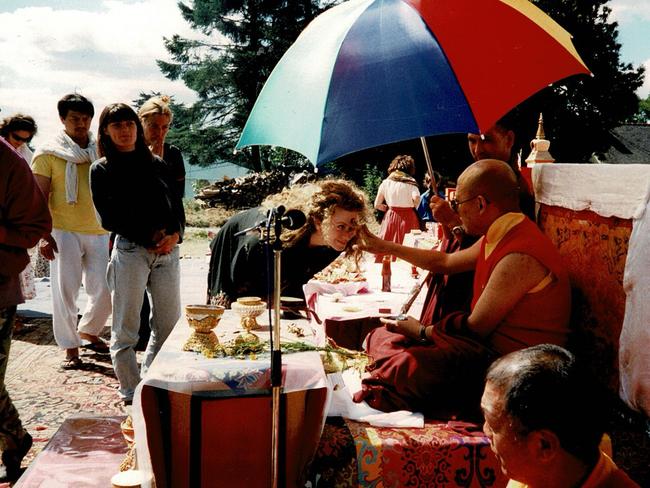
(16,137)
(455,203)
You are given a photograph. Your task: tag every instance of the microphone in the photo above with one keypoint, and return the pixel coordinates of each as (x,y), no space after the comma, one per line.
(293,219)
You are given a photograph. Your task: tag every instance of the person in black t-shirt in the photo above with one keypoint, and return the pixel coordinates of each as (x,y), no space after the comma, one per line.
(135,198)
(156,117)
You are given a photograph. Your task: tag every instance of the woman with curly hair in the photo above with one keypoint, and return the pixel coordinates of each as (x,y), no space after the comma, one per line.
(398,196)
(334,209)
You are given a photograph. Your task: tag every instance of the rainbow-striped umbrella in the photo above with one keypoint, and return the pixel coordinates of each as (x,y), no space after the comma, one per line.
(372,72)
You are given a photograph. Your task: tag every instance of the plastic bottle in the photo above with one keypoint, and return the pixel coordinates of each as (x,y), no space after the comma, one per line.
(385,273)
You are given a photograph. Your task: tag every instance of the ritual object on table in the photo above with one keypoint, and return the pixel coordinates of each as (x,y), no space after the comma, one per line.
(202,319)
(249,308)
(129,479)
(341,270)
(385,273)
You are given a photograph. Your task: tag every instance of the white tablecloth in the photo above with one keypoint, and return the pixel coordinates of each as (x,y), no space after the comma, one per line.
(192,373)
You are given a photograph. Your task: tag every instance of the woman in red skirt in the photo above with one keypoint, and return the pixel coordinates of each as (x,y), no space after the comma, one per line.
(398,196)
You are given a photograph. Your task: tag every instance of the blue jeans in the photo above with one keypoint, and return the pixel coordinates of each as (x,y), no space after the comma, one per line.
(132,270)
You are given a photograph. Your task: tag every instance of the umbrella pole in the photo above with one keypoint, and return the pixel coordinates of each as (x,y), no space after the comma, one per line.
(433,183)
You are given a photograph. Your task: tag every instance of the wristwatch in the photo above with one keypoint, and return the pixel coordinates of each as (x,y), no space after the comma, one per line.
(423,334)
(458,231)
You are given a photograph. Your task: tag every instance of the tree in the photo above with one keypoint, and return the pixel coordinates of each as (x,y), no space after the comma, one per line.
(643,115)
(246,40)
(581,110)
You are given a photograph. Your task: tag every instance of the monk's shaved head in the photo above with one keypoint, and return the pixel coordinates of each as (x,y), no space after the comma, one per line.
(493,179)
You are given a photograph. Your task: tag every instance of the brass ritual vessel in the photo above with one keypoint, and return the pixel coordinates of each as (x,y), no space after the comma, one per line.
(202,319)
(249,308)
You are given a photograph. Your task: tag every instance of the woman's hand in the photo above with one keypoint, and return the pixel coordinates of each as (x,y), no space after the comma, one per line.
(382,207)
(47,247)
(408,326)
(166,244)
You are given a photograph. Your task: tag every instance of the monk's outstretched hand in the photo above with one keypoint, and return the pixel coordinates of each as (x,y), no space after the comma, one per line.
(369,241)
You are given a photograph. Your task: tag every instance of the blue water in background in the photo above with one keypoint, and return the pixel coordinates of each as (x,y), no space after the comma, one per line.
(211,173)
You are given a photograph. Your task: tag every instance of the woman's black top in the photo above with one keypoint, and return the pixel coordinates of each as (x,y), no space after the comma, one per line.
(137,198)
(238,265)
(174,159)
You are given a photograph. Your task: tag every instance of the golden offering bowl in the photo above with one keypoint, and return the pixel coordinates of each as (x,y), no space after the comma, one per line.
(249,308)
(202,319)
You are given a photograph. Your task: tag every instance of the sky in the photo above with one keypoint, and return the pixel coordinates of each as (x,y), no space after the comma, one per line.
(107,51)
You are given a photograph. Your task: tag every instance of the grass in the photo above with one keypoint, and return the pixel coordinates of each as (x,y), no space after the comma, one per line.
(201,225)
(197,215)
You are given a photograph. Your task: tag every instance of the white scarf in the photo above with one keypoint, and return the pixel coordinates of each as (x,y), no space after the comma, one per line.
(65,148)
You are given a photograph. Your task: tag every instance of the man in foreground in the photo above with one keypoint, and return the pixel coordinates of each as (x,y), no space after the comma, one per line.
(78,245)
(24,219)
(544,420)
(521,297)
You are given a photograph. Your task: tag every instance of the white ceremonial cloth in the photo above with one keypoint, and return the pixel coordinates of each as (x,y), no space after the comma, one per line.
(187,372)
(634,347)
(610,190)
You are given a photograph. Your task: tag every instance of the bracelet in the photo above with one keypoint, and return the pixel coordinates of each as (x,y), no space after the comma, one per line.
(423,334)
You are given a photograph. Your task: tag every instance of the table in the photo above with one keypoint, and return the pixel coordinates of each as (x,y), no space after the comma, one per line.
(351,313)
(207,422)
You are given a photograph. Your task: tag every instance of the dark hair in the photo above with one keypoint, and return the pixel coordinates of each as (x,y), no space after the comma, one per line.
(119,112)
(545,387)
(404,163)
(17,122)
(75,102)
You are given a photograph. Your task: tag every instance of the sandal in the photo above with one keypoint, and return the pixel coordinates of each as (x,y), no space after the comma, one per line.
(72,363)
(99,347)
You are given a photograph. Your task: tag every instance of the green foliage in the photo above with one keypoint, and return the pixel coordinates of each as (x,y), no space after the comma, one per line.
(198,185)
(579,112)
(643,114)
(246,38)
(372,178)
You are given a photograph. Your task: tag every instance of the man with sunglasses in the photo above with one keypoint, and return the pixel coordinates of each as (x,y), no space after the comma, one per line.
(521,297)
(447,293)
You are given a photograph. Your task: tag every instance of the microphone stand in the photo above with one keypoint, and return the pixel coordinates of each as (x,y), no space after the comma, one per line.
(276,358)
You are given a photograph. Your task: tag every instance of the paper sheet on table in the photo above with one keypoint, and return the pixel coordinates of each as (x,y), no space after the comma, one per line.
(313,288)
(344,385)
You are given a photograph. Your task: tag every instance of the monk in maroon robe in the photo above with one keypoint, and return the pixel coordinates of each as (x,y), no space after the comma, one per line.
(521,297)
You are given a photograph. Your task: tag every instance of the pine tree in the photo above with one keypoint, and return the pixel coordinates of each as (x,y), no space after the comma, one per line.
(579,111)
(247,39)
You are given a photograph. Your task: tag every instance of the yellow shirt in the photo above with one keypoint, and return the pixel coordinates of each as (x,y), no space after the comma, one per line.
(78,217)
(604,475)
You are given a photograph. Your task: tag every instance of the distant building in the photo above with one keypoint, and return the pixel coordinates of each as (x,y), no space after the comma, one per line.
(628,144)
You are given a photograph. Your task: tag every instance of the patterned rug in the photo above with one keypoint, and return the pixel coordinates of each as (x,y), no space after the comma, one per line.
(46,395)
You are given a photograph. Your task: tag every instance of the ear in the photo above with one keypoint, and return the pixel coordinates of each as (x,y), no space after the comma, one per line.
(545,445)
(510,139)
(318,225)
(482,203)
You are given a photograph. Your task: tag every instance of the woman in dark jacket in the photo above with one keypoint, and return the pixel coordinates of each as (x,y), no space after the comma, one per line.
(135,197)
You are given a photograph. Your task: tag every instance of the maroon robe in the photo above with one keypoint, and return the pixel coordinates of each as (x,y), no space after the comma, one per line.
(444,377)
